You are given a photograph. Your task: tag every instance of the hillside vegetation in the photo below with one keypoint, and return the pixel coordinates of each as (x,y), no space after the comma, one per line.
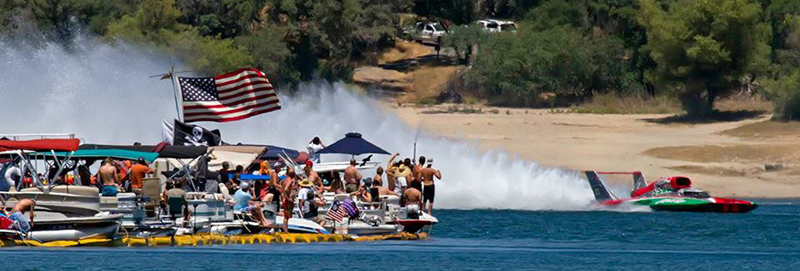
(565,52)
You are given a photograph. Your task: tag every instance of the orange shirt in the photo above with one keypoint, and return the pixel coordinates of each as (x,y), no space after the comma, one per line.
(138,172)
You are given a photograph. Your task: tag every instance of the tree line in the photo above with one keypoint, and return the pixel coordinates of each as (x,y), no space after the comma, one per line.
(564,52)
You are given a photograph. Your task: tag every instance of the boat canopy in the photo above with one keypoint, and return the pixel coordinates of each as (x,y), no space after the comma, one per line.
(273,153)
(105,153)
(69,144)
(163,150)
(353,144)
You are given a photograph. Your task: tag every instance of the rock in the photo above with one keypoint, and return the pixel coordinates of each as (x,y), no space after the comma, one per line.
(371,76)
(773,167)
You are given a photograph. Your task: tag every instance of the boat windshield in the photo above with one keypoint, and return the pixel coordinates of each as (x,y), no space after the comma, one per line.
(696,194)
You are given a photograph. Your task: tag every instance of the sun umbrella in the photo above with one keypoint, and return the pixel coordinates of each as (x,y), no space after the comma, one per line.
(353,144)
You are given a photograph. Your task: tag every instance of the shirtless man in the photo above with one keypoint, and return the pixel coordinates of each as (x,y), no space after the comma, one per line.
(18,214)
(429,190)
(413,199)
(312,175)
(288,195)
(109,178)
(417,169)
(351,177)
(390,168)
(378,176)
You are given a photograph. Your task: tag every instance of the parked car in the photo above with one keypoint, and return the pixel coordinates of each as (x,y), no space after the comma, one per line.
(496,26)
(431,32)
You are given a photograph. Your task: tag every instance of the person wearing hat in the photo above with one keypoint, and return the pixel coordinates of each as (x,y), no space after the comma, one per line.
(245,204)
(401,175)
(309,202)
(137,174)
(274,189)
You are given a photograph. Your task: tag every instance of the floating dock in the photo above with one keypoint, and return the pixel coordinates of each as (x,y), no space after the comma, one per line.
(216,239)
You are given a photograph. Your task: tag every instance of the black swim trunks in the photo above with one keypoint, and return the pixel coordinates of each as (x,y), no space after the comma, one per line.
(428,193)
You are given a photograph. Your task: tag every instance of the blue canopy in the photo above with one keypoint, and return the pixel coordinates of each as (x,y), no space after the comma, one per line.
(273,152)
(353,144)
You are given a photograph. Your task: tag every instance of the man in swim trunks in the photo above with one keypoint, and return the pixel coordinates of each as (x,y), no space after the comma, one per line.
(109,178)
(351,177)
(429,190)
(22,223)
(289,193)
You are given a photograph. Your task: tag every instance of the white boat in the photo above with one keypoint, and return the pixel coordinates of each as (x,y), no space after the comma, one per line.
(67,213)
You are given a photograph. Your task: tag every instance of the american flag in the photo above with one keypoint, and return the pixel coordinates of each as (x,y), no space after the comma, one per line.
(228,97)
(336,212)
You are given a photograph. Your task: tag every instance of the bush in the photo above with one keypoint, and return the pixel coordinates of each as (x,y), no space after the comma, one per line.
(784,93)
(523,69)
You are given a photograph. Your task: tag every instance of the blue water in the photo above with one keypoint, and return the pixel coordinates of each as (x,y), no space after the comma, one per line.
(766,239)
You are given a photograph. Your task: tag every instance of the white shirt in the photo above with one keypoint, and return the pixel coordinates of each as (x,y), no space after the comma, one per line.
(302,194)
(312,151)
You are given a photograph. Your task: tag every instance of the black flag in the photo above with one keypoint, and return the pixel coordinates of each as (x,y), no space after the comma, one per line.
(194,135)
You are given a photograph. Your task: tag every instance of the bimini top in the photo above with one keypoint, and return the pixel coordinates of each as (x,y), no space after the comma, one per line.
(105,153)
(353,144)
(163,150)
(70,144)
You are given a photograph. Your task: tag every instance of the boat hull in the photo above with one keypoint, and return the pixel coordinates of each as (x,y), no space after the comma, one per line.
(75,229)
(685,204)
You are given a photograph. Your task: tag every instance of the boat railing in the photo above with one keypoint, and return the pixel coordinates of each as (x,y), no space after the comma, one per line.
(37,136)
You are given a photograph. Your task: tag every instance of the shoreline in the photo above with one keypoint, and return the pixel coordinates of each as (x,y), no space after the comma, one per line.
(721,163)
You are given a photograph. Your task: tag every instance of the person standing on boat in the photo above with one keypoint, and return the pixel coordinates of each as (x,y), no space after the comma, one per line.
(289,194)
(109,178)
(274,189)
(351,177)
(427,174)
(313,148)
(201,174)
(417,169)
(138,172)
(312,175)
(391,167)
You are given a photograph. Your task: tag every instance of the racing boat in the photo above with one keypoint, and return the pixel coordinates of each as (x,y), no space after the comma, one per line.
(666,194)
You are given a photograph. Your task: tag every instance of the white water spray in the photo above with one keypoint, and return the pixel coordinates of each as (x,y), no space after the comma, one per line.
(103,94)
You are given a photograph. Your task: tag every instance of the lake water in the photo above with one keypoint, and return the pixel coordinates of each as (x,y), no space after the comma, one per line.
(766,239)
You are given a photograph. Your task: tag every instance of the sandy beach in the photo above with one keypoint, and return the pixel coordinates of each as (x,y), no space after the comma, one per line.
(725,158)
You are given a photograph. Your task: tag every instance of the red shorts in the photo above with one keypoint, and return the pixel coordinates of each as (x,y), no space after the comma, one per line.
(288,206)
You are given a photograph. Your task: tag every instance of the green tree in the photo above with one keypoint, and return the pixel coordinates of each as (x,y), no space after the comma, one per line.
(155,24)
(270,53)
(704,47)
(530,67)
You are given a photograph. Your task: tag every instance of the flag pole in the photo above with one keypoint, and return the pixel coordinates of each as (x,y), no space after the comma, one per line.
(177,92)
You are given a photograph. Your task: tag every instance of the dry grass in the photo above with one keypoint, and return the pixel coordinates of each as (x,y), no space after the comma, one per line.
(612,104)
(744,103)
(404,50)
(766,130)
(427,82)
(755,153)
(718,171)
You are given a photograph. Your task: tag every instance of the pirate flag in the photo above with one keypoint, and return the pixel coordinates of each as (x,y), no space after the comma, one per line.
(194,135)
